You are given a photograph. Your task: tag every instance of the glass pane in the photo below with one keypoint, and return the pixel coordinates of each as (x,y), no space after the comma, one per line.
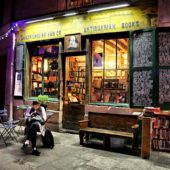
(75,85)
(122,53)
(116,86)
(110,54)
(97,70)
(142,88)
(115,96)
(164,46)
(111,82)
(97,54)
(110,74)
(123,77)
(36,76)
(142,49)
(51,77)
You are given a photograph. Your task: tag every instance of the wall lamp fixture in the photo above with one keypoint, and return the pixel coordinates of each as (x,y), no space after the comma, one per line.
(108,7)
(39,20)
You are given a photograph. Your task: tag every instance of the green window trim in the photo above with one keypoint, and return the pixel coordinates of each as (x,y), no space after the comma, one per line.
(49,99)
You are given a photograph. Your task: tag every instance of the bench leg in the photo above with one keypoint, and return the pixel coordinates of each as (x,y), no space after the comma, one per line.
(107,142)
(81,135)
(87,136)
(135,142)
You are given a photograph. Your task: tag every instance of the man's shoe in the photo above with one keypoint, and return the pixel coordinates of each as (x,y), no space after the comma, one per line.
(36,152)
(24,146)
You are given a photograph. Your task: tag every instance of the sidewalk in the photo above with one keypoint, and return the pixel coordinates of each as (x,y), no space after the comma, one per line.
(69,155)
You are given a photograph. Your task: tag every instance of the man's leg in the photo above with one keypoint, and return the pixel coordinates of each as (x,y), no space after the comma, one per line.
(31,136)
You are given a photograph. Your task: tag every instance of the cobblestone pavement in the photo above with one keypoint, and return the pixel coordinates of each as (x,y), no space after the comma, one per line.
(69,155)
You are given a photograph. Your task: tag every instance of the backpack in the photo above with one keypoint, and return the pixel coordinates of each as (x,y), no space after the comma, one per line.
(48,140)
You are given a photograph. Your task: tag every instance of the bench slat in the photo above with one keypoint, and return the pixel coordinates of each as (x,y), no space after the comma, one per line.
(108,132)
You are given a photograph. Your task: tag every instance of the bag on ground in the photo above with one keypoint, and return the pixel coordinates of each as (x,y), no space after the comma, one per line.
(48,140)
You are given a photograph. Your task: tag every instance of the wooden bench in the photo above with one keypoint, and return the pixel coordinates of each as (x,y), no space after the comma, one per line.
(109,125)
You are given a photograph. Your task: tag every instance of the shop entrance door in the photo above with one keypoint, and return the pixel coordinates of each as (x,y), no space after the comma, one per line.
(74,91)
(2,81)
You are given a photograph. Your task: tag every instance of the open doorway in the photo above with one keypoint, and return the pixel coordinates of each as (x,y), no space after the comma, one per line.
(74,91)
(75,79)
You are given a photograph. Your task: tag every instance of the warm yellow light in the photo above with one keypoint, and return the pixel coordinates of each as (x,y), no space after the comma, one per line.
(111,64)
(124,56)
(45,65)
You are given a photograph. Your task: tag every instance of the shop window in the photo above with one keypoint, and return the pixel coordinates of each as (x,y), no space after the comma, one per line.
(110,71)
(44,71)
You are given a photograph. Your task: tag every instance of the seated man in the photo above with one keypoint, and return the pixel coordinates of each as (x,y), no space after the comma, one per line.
(35,120)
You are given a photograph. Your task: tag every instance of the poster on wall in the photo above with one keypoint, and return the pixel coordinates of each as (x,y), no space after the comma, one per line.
(72,43)
(97,60)
(19,57)
(18,84)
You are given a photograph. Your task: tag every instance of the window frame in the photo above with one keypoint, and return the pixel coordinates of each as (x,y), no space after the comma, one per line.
(104,39)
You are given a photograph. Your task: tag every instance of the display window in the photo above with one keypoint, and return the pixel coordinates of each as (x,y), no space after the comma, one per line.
(110,70)
(44,71)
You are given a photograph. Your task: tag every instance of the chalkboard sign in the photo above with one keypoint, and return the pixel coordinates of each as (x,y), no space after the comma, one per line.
(164,86)
(19,58)
(164,48)
(142,49)
(142,88)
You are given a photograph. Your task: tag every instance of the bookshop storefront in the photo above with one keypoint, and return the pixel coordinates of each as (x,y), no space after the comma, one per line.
(81,68)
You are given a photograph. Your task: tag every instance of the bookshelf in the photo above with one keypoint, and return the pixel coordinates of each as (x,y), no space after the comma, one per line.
(161,133)
(75,78)
(108,84)
(36,80)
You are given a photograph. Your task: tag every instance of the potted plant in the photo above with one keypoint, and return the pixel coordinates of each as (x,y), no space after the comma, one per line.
(43,99)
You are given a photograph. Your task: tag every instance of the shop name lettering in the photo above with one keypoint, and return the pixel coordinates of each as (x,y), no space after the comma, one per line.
(105,27)
(99,28)
(42,35)
(124,25)
(133,24)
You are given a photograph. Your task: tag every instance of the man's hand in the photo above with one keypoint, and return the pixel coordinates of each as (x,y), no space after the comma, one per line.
(34,114)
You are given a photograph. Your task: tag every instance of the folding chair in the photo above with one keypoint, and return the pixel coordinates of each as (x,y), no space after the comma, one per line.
(8,131)
(21,122)
(2,137)
(3,113)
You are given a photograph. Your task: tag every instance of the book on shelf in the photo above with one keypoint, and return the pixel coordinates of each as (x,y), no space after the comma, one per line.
(161,122)
(161,133)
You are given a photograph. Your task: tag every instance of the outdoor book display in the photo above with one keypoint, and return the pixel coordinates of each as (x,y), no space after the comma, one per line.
(160,139)
(161,132)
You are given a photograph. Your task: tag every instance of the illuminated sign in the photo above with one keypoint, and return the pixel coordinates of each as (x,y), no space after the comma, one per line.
(125,19)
